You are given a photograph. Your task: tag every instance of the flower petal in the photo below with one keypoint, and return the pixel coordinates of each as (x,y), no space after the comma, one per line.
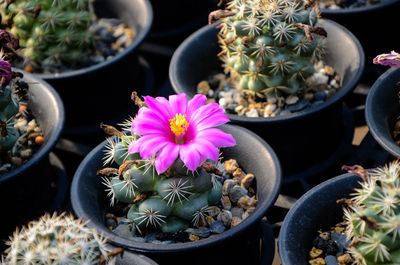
(160,106)
(166,157)
(196,102)
(190,157)
(151,145)
(212,121)
(206,149)
(217,137)
(178,104)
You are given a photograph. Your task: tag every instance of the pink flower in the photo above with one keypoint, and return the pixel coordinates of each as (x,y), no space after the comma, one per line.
(179,128)
(391,59)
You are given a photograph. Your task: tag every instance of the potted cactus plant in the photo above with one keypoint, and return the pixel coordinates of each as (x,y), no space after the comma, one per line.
(31,118)
(370,217)
(61,239)
(76,42)
(269,49)
(382,107)
(166,184)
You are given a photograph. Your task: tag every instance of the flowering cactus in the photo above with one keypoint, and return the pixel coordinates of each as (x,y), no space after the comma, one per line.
(373,218)
(54,240)
(389,59)
(51,32)
(270,46)
(162,171)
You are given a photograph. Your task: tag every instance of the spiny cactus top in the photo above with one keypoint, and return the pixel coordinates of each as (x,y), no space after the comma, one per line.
(54,240)
(162,172)
(51,32)
(269,46)
(373,217)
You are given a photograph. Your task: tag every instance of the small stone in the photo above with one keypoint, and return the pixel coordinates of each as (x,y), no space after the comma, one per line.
(201,232)
(317,261)
(340,240)
(317,103)
(252,113)
(227,186)
(333,83)
(213,211)
(239,108)
(309,96)
(236,193)
(123,231)
(193,237)
(225,217)
(222,102)
(20,125)
(321,95)
(209,220)
(31,126)
(299,106)
(272,100)
(290,100)
(344,259)
(249,211)
(226,203)
(238,173)
(26,153)
(217,227)
(339,229)
(230,166)
(123,40)
(315,252)
(329,70)
(318,78)
(111,223)
(203,87)
(211,100)
(325,235)
(247,181)
(246,202)
(331,92)
(236,221)
(210,93)
(16,161)
(285,112)
(331,260)
(237,212)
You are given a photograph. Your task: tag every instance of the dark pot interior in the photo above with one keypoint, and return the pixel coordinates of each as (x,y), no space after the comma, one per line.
(315,210)
(130,258)
(33,178)
(382,109)
(301,139)
(88,201)
(83,90)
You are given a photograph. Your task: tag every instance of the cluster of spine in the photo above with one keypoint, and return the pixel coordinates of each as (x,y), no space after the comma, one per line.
(170,201)
(373,218)
(270,46)
(56,240)
(9,107)
(51,32)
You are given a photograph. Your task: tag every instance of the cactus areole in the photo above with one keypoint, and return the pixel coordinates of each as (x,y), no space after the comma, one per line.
(270,46)
(162,155)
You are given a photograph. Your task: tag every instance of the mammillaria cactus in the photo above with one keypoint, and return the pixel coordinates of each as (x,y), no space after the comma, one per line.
(57,239)
(373,217)
(51,32)
(270,46)
(167,164)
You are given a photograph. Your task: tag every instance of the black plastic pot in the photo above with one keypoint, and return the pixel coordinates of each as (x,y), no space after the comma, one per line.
(99,92)
(25,191)
(382,110)
(315,210)
(372,25)
(239,245)
(301,139)
(130,258)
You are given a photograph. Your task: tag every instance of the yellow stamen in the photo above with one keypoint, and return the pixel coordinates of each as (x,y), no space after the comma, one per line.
(178,124)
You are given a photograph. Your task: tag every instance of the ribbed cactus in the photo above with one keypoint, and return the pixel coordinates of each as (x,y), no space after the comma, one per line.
(270,46)
(169,201)
(57,239)
(51,32)
(8,109)
(373,218)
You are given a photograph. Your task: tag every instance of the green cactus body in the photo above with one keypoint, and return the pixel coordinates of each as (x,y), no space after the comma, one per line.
(265,48)
(52,33)
(373,219)
(8,109)
(56,240)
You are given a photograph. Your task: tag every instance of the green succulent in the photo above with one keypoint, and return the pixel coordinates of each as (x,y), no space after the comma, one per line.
(9,107)
(270,46)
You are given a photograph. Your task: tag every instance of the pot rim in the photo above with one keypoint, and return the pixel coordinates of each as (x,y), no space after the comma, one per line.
(107,63)
(46,148)
(388,144)
(305,198)
(259,213)
(344,90)
(358,10)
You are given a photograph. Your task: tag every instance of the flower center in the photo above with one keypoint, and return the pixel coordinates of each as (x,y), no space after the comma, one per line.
(179,124)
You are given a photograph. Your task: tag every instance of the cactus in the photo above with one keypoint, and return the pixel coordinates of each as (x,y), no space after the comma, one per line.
(57,239)
(52,33)
(373,218)
(270,46)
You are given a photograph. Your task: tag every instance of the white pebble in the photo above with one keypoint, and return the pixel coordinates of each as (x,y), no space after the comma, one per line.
(318,78)
(252,113)
(333,83)
(222,102)
(290,100)
(210,93)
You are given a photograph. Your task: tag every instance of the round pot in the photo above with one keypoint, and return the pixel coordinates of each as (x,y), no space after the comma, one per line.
(317,209)
(25,191)
(382,109)
(88,93)
(253,155)
(300,139)
(129,258)
(374,34)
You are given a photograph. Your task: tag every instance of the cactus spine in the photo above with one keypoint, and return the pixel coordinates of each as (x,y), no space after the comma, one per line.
(373,218)
(52,33)
(268,46)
